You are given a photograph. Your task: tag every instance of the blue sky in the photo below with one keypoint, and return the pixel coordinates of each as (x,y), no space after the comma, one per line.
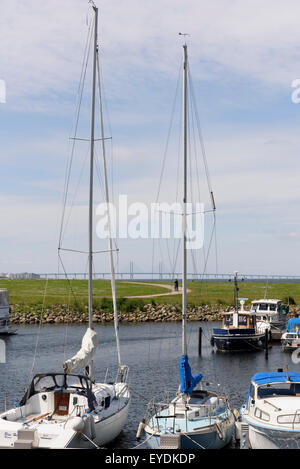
(244,56)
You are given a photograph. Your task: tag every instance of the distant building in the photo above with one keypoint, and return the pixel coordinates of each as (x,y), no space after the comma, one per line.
(21,276)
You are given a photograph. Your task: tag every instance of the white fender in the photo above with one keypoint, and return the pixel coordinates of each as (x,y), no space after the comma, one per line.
(77,424)
(140,429)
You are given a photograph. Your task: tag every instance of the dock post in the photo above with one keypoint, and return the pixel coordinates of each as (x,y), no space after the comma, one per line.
(200,341)
(266,343)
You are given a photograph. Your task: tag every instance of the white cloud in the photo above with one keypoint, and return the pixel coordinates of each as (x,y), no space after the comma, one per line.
(41,44)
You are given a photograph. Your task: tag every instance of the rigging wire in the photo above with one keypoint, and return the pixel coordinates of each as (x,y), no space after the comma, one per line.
(165,153)
(38,333)
(108,123)
(77,114)
(68,218)
(199,132)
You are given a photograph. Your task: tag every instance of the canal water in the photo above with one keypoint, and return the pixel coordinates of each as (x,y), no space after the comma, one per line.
(152,352)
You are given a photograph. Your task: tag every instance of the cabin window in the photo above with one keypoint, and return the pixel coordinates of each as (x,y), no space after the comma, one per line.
(242,320)
(261,415)
(228,320)
(252,391)
(292,418)
(272,307)
(263,307)
(278,389)
(255,306)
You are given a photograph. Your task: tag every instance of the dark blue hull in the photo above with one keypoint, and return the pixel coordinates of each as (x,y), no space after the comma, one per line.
(238,342)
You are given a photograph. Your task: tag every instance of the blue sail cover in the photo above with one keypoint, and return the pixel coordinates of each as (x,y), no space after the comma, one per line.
(293,325)
(187,380)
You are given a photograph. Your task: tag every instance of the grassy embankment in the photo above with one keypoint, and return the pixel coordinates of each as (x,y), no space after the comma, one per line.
(26,293)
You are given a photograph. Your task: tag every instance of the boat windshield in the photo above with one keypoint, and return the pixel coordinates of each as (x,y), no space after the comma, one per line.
(58,381)
(55,381)
(278,389)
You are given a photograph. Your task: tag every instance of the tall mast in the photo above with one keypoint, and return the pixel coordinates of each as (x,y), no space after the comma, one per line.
(90,260)
(184,263)
(236,292)
(235,322)
(110,244)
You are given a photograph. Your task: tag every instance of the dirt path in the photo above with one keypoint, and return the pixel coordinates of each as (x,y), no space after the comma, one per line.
(162,285)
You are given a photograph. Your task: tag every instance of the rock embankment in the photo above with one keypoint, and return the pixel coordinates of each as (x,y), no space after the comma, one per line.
(62,314)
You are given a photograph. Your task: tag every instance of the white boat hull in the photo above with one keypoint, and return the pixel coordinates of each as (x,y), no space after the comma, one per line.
(265,438)
(106,431)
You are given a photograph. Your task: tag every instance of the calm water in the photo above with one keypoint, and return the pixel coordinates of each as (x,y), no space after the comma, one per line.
(152,352)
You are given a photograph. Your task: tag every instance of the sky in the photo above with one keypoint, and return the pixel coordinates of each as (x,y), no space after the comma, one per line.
(244,58)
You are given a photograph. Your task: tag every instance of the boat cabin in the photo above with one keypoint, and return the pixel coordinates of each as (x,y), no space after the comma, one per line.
(240,320)
(274,397)
(268,307)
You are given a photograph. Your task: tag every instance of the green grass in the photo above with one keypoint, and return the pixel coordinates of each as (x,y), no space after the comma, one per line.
(61,291)
(223,293)
(31,292)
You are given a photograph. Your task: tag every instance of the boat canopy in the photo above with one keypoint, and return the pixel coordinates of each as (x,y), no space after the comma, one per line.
(272,377)
(85,355)
(57,382)
(269,301)
(187,381)
(293,325)
(275,377)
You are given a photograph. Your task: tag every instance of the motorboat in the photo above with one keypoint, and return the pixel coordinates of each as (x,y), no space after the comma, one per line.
(271,314)
(290,340)
(239,332)
(270,418)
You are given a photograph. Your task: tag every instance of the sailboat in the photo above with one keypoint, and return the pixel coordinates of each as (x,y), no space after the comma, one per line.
(195,418)
(69,410)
